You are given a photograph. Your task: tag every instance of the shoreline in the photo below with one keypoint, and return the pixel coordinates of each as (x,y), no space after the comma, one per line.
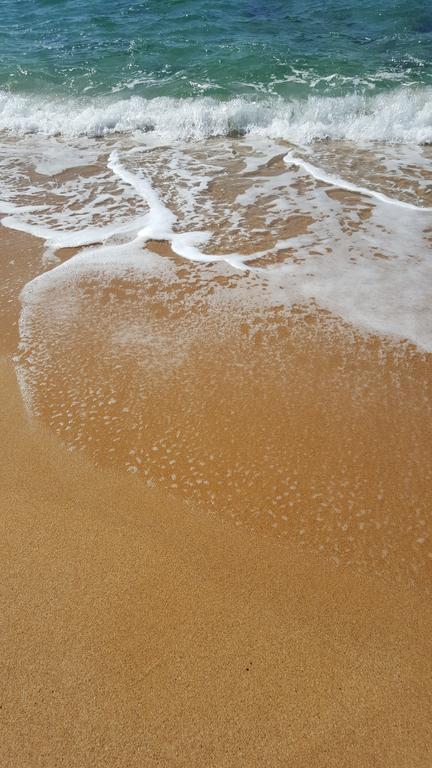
(215,385)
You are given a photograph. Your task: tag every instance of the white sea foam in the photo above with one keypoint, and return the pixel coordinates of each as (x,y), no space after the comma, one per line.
(159,220)
(368,261)
(335,181)
(57,239)
(401,115)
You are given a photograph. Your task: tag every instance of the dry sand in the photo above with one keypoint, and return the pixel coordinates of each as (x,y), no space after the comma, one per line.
(138,630)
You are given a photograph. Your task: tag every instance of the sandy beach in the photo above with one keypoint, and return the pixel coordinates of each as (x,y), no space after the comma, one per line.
(143,625)
(216,384)
(138,631)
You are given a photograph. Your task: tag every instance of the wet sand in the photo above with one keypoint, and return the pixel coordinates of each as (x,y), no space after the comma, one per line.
(290,423)
(148,626)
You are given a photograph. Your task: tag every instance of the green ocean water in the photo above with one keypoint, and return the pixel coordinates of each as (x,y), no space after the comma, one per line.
(186,48)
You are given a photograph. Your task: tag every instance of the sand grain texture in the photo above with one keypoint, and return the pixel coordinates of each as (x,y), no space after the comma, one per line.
(137,631)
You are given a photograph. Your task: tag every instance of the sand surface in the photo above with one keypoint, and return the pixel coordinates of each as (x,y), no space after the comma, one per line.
(137,631)
(290,423)
(139,628)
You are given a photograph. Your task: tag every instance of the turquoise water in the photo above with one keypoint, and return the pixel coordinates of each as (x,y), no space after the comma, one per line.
(186,48)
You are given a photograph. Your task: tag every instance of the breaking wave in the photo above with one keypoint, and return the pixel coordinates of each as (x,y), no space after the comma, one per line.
(398,116)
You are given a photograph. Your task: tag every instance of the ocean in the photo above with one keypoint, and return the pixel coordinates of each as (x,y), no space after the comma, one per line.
(300,70)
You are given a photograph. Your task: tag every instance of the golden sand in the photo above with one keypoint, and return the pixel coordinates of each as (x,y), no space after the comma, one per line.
(172,626)
(290,424)
(140,632)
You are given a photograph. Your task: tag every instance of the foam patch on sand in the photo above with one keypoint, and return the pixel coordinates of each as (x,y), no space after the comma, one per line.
(246,204)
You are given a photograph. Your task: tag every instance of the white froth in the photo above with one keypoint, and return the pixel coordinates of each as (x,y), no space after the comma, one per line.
(368,261)
(160,222)
(56,238)
(403,115)
(160,219)
(335,181)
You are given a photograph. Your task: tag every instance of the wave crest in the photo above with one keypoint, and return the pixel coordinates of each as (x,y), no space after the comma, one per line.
(399,116)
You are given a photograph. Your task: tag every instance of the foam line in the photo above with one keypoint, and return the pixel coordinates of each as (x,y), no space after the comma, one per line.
(160,219)
(67,239)
(11,208)
(185,244)
(336,181)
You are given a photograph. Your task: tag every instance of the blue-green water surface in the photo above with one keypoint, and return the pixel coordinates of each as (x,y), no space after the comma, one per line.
(186,48)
